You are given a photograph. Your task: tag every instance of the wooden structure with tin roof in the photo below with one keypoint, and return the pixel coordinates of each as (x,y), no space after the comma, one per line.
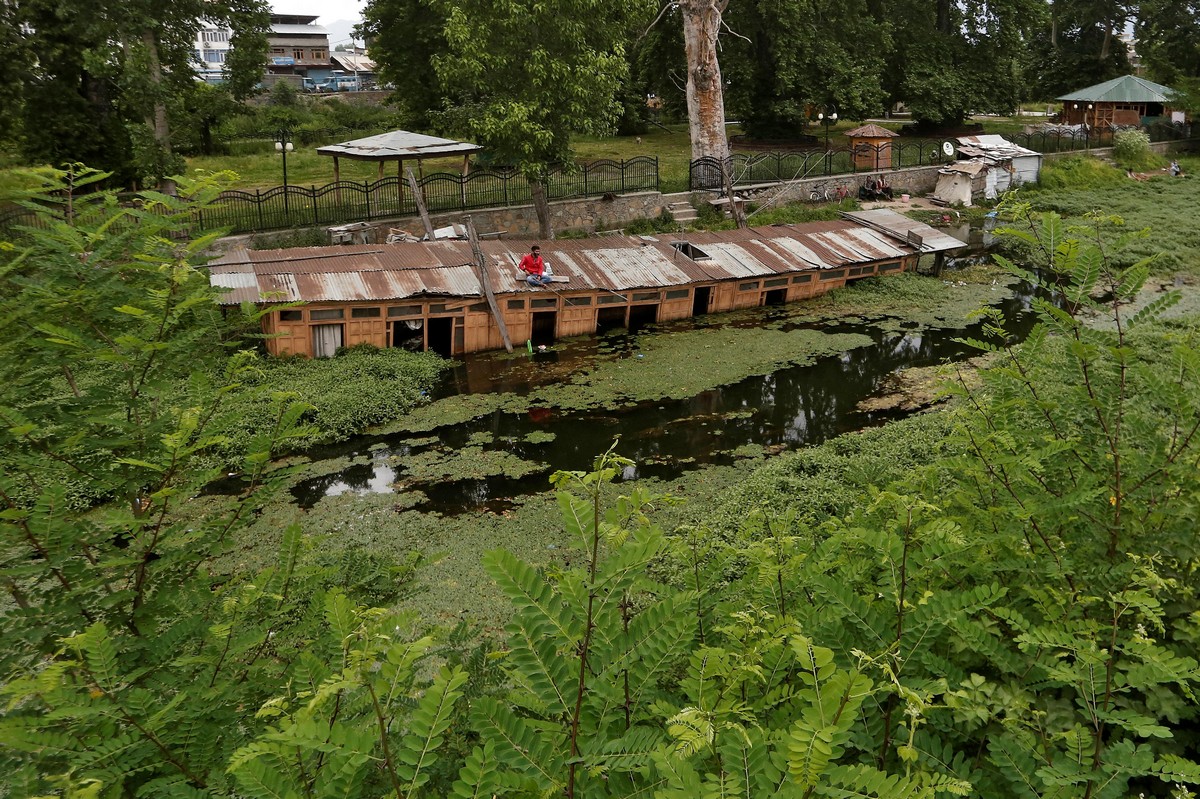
(1127,100)
(428,295)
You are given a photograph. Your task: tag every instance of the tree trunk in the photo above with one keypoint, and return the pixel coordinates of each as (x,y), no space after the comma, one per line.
(705,92)
(537,188)
(156,118)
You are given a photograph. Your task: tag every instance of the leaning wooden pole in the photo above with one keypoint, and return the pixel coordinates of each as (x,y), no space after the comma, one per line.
(420,200)
(485,282)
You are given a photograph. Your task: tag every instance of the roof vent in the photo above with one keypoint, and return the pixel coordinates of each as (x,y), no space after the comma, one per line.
(690,250)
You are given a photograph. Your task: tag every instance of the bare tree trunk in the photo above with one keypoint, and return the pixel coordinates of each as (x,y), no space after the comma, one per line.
(1054,24)
(156,119)
(705,92)
(1106,44)
(537,188)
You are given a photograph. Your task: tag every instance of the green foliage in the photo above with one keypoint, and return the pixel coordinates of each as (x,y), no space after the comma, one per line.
(344,395)
(1079,172)
(132,661)
(1131,149)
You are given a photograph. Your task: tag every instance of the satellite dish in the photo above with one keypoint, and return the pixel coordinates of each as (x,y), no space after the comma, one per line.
(948,148)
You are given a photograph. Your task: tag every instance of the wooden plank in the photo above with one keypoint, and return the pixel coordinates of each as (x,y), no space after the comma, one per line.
(420,199)
(484,281)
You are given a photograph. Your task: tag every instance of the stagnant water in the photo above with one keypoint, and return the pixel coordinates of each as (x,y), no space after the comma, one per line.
(793,407)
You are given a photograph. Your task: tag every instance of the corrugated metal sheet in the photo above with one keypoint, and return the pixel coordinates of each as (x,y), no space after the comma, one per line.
(899,226)
(398,144)
(991,146)
(612,263)
(1125,89)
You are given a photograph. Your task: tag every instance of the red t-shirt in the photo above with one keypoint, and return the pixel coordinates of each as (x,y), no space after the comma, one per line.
(532,264)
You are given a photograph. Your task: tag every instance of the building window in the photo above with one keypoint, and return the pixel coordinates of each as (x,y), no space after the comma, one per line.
(646,296)
(802,279)
(610,299)
(579,300)
(516,305)
(404,310)
(214,56)
(779,281)
(833,274)
(547,303)
(298,53)
(438,308)
(678,294)
(278,51)
(328,313)
(364,313)
(889,267)
(479,306)
(319,55)
(752,286)
(291,316)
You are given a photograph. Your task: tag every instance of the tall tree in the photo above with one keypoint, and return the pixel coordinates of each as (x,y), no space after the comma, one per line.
(705,89)
(521,77)
(952,58)
(791,58)
(109,79)
(1168,39)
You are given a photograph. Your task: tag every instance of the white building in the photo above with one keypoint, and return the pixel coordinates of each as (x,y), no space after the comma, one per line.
(210,50)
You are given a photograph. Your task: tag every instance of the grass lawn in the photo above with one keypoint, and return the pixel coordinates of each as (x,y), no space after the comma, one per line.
(671,146)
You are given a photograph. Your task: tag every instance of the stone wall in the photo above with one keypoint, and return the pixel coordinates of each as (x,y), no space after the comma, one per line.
(911,180)
(588,215)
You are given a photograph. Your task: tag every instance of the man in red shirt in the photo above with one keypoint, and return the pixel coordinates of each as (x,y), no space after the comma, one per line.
(534,268)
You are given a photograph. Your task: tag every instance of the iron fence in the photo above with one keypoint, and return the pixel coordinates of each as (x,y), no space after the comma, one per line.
(350,201)
(750,168)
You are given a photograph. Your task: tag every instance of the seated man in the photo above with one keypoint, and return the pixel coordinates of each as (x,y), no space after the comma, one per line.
(534,268)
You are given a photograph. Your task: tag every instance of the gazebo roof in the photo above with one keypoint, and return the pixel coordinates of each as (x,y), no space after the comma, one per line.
(399,145)
(1125,89)
(871,132)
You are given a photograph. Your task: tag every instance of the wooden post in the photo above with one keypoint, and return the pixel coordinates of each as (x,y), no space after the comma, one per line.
(419,198)
(337,177)
(381,170)
(466,165)
(486,283)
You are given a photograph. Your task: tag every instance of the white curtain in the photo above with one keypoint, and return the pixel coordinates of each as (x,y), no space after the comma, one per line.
(326,340)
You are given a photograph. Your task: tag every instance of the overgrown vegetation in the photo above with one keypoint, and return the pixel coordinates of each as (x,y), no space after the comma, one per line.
(998,601)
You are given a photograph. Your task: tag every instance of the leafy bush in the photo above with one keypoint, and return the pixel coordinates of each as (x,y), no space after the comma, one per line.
(346,394)
(1131,149)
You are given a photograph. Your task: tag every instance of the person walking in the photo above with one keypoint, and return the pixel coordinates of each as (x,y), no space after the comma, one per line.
(534,267)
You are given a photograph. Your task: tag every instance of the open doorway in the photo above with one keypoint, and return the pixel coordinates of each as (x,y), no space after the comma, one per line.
(775,297)
(326,339)
(700,300)
(642,315)
(543,326)
(441,333)
(409,334)
(609,319)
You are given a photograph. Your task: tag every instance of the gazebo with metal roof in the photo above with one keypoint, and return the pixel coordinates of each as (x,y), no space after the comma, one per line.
(399,146)
(1127,100)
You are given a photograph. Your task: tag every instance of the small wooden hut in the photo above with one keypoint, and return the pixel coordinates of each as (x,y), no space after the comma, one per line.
(432,295)
(872,147)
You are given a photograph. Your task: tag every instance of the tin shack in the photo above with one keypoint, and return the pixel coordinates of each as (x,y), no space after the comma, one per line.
(432,296)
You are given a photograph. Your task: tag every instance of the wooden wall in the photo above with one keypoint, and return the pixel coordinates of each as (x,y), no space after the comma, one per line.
(474,330)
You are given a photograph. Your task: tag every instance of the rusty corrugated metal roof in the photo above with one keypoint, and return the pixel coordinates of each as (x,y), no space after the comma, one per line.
(611,263)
